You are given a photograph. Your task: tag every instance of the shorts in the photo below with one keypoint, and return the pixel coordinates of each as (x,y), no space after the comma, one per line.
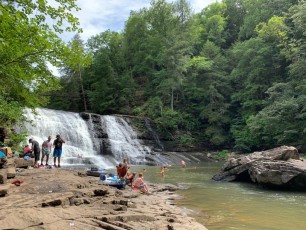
(46,151)
(57,153)
(36,154)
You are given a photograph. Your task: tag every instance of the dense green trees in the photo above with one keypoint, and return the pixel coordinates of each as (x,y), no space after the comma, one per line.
(231,76)
(28,44)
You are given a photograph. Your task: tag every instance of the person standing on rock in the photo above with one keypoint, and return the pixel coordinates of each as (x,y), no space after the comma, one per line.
(46,150)
(36,151)
(57,152)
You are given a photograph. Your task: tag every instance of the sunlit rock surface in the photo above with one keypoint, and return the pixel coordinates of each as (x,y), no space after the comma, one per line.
(279,168)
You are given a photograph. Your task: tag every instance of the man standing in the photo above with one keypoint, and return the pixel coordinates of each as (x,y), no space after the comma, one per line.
(36,151)
(46,150)
(57,153)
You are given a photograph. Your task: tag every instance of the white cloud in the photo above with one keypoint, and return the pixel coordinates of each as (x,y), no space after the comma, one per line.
(97,16)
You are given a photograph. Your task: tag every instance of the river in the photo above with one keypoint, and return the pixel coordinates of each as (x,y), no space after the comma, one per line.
(238,206)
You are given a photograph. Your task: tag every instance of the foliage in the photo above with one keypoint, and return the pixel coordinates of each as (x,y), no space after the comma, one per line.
(232,75)
(28,44)
(221,155)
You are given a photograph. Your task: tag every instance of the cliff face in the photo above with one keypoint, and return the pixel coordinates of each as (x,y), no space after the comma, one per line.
(144,129)
(140,143)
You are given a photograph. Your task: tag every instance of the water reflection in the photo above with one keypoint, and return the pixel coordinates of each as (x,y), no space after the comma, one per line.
(240,206)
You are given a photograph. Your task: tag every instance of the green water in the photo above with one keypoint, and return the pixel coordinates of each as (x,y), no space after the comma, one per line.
(232,205)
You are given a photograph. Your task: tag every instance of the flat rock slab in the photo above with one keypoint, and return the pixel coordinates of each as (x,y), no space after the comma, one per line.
(22,163)
(55,199)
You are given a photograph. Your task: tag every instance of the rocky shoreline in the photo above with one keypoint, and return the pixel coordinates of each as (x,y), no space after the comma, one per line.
(68,199)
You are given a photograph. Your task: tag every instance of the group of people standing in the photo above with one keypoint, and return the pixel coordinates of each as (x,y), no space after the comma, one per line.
(46,148)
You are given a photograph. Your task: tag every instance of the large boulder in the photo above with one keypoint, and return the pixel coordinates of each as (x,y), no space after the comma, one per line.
(277,168)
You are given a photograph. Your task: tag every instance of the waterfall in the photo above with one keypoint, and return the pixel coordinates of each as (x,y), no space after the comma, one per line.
(153,134)
(123,140)
(96,139)
(78,148)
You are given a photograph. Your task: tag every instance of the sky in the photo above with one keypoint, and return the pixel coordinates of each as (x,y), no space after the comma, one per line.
(97,16)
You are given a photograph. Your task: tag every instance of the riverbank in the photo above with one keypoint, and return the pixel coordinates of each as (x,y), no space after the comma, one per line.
(67,199)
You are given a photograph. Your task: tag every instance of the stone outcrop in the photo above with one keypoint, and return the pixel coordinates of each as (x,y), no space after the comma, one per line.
(142,126)
(61,199)
(278,168)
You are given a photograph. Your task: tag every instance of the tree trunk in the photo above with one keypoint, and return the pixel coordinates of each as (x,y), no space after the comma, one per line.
(82,89)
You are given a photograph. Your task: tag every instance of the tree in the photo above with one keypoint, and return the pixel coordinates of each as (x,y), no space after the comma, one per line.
(110,84)
(261,11)
(27,45)
(77,61)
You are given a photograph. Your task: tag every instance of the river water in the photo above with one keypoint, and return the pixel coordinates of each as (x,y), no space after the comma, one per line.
(238,206)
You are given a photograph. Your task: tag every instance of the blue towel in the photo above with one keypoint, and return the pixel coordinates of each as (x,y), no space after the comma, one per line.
(2,155)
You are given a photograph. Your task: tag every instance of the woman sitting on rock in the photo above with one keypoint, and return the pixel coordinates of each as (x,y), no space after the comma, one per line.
(140,184)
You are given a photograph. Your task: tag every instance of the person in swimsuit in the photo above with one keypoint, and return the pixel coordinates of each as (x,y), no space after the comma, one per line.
(140,184)
(57,152)
(46,150)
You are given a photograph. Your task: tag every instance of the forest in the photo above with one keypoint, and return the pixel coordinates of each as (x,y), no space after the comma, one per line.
(230,77)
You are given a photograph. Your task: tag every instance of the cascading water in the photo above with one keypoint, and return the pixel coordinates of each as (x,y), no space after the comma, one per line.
(84,144)
(78,148)
(153,134)
(123,140)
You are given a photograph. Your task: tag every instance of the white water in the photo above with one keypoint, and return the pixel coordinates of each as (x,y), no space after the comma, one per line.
(81,147)
(72,128)
(123,140)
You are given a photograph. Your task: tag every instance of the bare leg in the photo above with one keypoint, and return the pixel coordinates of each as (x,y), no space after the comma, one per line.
(42,158)
(54,161)
(59,162)
(47,159)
